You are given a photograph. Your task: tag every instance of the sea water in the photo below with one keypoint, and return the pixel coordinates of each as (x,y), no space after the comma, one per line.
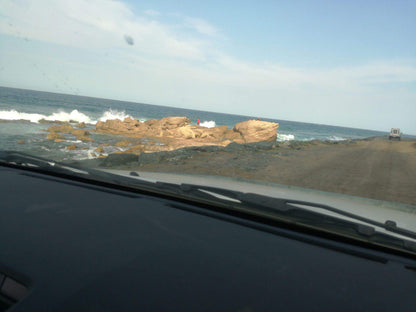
(22,110)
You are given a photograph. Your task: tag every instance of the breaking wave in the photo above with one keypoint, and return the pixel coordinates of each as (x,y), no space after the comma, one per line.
(74,116)
(208,124)
(285,137)
(113,114)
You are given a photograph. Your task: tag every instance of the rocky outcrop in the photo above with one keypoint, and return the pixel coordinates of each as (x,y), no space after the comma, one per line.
(55,133)
(55,136)
(176,132)
(65,128)
(256,130)
(77,132)
(84,138)
(169,133)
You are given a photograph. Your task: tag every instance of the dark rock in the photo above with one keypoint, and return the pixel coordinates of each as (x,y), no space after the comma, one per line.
(234,147)
(263,145)
(116,159)
(152,158)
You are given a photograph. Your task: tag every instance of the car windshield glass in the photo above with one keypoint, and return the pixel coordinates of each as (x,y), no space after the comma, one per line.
(306,101)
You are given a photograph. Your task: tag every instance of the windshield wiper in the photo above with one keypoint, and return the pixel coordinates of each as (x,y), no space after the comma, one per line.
(287,206)
(285,210)
(39,164)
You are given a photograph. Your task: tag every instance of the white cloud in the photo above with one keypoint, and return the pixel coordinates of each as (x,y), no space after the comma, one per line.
(93,24)
(201,26)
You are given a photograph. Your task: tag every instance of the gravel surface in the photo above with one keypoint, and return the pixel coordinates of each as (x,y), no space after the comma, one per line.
(374,168)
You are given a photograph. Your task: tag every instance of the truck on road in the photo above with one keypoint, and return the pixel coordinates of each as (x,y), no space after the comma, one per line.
(395,134)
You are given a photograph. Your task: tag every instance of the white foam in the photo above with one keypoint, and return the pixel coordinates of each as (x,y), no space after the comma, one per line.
(285,137)
(15,115)
(113,114)
(335,138)
(74,141)
(208,124)
(74,115)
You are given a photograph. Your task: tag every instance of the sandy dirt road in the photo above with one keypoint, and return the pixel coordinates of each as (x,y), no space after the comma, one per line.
(375,168)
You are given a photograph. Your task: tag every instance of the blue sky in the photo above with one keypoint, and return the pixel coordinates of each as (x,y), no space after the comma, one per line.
(348,63)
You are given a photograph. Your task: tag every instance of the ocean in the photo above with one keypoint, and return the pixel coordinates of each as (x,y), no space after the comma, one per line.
(21,110)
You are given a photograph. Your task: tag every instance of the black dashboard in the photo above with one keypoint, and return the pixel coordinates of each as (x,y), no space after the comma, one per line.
(73,246)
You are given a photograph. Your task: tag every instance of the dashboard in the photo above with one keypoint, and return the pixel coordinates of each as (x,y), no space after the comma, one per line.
(75,246)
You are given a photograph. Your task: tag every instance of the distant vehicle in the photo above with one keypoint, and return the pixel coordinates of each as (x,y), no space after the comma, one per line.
(395,134)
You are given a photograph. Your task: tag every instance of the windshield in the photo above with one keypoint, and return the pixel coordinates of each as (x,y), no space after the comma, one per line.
(289,99)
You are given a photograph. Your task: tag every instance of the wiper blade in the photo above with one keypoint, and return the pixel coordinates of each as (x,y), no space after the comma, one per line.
(23,160)
(287,206)
(284,210)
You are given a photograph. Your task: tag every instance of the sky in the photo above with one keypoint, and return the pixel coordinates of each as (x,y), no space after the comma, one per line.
(347,63)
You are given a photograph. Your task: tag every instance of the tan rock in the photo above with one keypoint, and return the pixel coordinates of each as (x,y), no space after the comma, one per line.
(173,122)
(185,132)
(20,141)
(65,128)
(55,136)
(84,138)
(80,125)
(214,133)
(257,131)
(177,132)
(151,122)
(128,126)
(123,143)
(233,135)
(99,150)
(44,121)
(77,132)
(71,147)
(137,149)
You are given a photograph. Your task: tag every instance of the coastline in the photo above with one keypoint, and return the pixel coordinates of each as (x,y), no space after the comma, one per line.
(374,168)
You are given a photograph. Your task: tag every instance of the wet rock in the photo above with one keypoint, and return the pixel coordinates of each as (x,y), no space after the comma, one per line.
(99,150)
(44,121)
(137,149)
(71,147)
(123,143)
(64,128)
(77,132)
(55,136)
(84,138)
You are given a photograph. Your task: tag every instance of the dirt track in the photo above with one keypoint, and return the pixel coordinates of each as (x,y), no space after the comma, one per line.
(376,168)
